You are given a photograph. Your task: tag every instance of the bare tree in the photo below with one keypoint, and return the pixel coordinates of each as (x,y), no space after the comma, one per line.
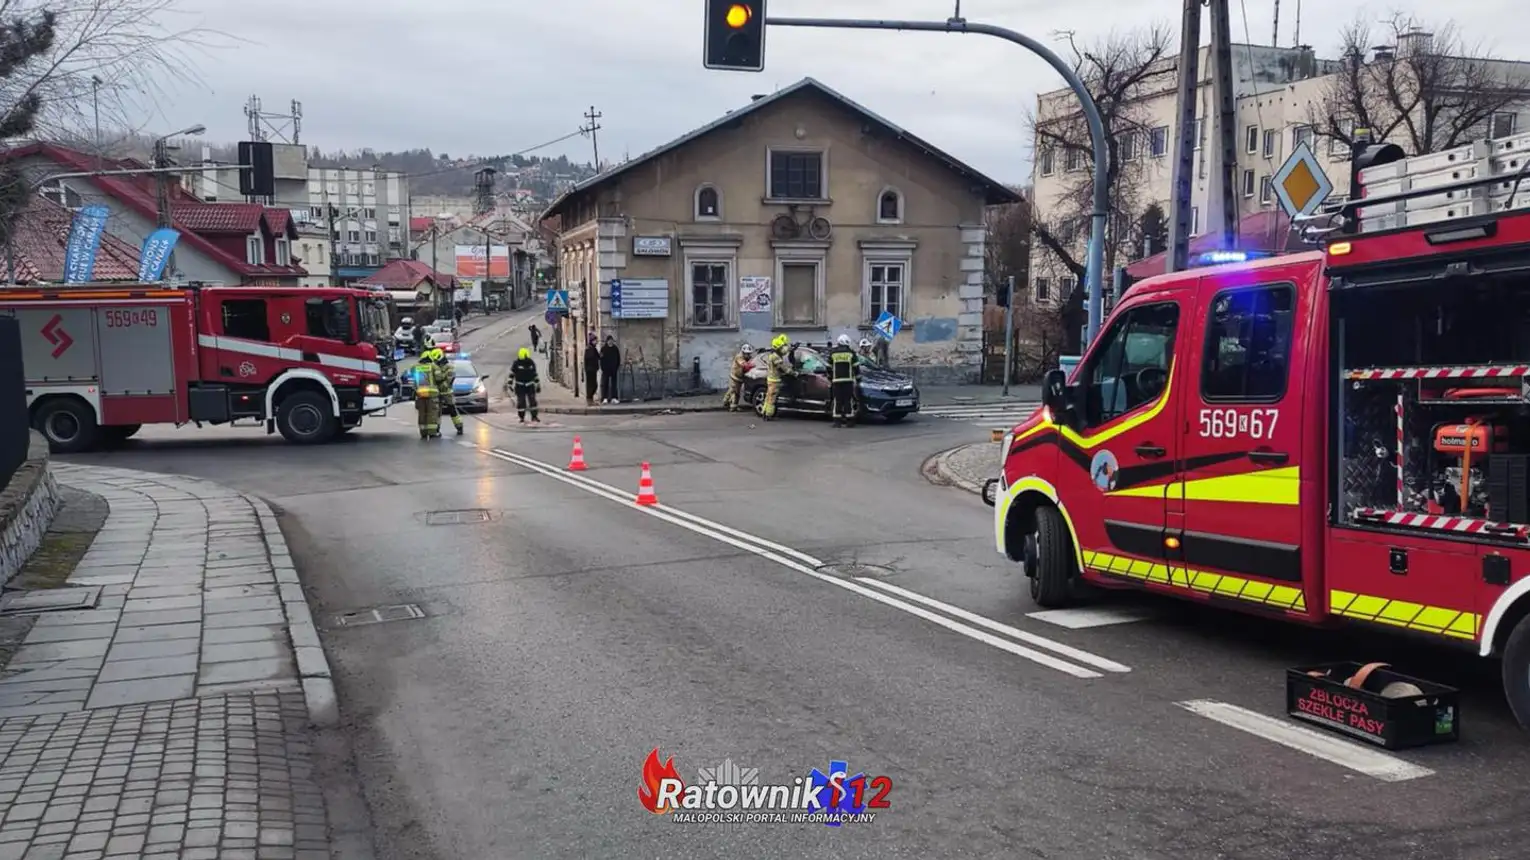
(1120,73)
(1424,91)
(1007,248)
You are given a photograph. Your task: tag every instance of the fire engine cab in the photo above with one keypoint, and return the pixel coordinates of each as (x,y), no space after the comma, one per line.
(100,362)
(1333,436)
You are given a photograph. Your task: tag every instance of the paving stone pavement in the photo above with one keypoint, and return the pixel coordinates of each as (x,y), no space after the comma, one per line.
(171,719)
(969,466)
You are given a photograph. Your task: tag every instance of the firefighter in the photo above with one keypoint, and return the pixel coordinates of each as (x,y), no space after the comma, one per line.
(427,404)
(776,368)
(868,350)
(843,363)
(736,377)
(523,375)
(445,376)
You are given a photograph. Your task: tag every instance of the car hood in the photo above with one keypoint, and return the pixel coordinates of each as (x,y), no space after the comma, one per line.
(884,377)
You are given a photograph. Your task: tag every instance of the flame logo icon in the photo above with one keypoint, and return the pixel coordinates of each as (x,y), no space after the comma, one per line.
(653,773)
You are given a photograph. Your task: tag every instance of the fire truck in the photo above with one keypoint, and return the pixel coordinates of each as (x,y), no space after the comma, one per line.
(102,362)
(1332,436)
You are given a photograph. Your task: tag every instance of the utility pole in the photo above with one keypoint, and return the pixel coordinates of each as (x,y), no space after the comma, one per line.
(1009,334)
(590,129)
(162,194)
(334,236)
(1180,204)
(1275,33)
(1227,119)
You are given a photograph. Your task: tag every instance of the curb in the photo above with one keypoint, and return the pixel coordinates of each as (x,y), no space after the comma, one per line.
(312,665)
(937,466)
(626,410)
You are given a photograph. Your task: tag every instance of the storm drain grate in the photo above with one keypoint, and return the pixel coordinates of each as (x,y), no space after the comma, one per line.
(379,615)
(472,516)
(48,600)
(851,571)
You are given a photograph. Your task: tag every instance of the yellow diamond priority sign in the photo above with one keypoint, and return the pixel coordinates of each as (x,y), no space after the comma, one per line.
(1300,183)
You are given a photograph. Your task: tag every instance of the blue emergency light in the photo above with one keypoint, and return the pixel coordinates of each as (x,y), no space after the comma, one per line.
(1218,258)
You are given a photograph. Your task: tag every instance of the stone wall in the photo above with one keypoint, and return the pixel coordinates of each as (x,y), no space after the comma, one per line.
(27,506)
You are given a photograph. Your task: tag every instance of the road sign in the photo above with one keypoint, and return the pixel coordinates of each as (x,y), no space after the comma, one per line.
(887,326)
(557,301)
(552,317)
(639,298)
(1301,186)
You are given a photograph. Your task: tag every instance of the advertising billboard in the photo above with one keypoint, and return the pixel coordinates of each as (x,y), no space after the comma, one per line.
(471,264)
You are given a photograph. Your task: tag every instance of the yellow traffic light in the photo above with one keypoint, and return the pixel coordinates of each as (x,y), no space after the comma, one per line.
(738,15)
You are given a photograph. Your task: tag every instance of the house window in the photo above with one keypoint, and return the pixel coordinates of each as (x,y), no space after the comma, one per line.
(1271,141)
(61,194)
(369,213)
(884,288)
(320,250)
(890,207)
(1065,285)
(1158,141)
(254,250)
(1200,133)
(1501,125)
(708,203)
(1300,135)
(283,253)
(1340,148)
(316,211)
(1248,183)
(369,189)
(373,260)
(1073,160)
(796,175)
(1131,146)
(353,235)
(350,188)
(1266,189)
(1043,289)
(1048,162)
(1251,139)
(798,302)
(371,235)
(709,294)
(246,318)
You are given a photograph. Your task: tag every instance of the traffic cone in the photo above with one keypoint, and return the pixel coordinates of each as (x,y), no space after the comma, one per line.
(576,463)
(646,495)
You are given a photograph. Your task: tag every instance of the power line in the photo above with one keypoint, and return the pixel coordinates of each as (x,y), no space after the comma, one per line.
(590,129)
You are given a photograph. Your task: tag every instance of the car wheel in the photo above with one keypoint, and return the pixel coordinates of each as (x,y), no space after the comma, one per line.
(1516,672)
(758,401)
(1052,576)
(304,418)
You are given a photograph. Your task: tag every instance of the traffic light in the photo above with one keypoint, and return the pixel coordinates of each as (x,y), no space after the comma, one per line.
(735,35)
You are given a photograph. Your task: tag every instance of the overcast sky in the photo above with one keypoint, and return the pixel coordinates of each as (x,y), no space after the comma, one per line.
(473,77)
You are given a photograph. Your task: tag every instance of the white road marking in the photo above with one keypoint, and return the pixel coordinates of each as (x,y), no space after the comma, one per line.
(1004,414)
(1371,762)
(794,560)
(1085,617)
(466,444)
(1012,632)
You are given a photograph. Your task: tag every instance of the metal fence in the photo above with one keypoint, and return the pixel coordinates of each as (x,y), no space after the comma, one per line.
(14,432)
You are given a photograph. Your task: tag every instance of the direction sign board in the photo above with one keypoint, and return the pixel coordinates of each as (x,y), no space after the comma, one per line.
(887,326)
(1300,184)
(557,301)
(639,298)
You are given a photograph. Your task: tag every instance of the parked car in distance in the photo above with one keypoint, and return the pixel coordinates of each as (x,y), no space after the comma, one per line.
(469,388)
(881,392)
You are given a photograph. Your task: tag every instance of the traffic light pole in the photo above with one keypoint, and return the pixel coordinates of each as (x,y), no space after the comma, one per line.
(1094,262)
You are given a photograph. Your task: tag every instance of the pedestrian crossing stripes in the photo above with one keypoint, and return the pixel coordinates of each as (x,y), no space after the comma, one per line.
(991,415)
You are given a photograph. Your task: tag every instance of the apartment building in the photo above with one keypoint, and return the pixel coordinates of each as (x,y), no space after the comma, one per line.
(1278,94)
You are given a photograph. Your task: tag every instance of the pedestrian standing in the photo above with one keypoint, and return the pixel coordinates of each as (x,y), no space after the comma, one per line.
(591,370)
(610,365)
(536,338)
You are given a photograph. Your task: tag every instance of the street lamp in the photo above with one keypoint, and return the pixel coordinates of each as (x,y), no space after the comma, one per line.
(162,180)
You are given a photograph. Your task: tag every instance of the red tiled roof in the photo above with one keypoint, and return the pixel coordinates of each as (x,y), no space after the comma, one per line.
(1269,230)
(419,225)
(407,275)
(41,237)
(279,219)
(219,217)
(138,193)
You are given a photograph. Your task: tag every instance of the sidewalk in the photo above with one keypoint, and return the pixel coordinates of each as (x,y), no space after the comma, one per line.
(966,467)
(168,716)
(557,400)
(939,395)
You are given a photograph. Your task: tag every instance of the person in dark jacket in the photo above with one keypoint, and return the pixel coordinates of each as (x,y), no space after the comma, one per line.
(523,376)
(610,365)
(536,338)
(591,370)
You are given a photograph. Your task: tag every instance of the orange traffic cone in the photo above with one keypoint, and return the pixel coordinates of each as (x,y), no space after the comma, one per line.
(576,463)
(646,495)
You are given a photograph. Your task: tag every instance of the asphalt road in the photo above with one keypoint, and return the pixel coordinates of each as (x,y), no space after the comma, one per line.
(571,633)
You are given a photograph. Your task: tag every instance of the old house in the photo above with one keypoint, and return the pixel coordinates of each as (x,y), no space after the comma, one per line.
(802,213)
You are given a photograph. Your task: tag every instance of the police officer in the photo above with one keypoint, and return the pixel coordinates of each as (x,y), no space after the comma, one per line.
(845,370)
(776,367)
(523,375)
(736,377)
(445,376)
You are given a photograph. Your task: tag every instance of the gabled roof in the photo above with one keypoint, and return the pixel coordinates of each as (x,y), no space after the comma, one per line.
(406,275)
(138,193)
(41,238)
(998,192)
(241,218)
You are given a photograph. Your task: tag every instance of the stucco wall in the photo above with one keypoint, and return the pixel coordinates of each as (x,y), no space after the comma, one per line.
(942,312)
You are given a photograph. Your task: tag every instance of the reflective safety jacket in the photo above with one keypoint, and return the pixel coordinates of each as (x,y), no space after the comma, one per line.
(775,366)
(524,372)
(444,374)
(844,366)
(736,372)
(423,375)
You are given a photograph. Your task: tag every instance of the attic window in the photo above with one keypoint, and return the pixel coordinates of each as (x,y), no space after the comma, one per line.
(56,191)
(708,203)
(890,207)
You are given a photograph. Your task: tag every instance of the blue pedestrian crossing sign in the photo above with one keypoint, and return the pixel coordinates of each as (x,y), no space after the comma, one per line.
(557,301)
(887,326)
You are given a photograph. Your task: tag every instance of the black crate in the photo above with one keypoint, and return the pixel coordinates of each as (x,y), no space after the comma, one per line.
(1508,488)
(1409,721)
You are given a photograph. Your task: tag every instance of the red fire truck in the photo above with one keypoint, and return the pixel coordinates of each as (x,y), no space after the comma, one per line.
(102,362)
(1333,436)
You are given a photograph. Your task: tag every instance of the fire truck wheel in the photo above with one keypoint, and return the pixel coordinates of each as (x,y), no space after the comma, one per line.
(1052,576)
(304,418)
(1516,671)
(68,424)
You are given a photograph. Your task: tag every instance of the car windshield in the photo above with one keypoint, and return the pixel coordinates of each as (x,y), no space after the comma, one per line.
(811,361)
(464,369)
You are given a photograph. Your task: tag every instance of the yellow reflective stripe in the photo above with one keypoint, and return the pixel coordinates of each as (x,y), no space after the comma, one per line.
(1268,487)
(1439,620)
(1180,577)
(1114,431)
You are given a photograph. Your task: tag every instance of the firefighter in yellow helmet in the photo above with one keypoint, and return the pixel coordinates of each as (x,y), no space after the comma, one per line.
(776,369)
(445,375)
(736,376)
(427,402)
(524,379)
